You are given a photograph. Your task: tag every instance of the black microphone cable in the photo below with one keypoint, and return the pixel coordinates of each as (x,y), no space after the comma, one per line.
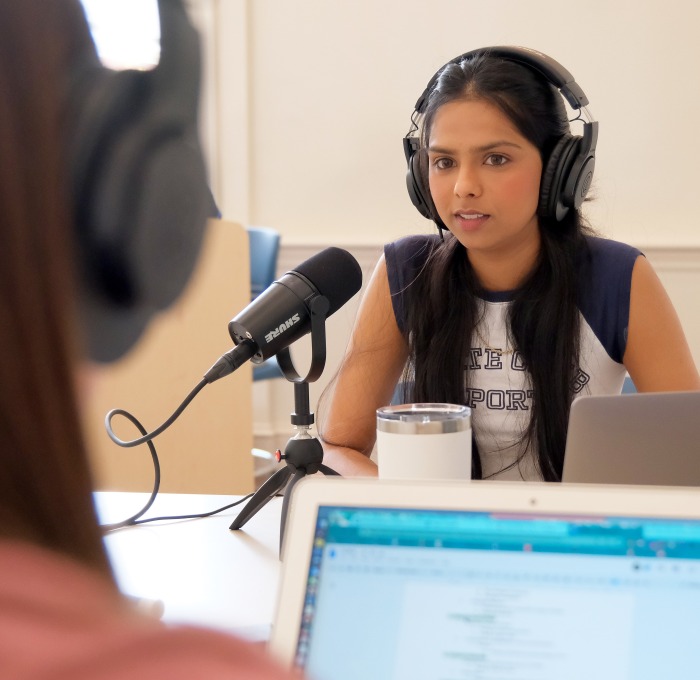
(225,365)
(156,481)
(269,324)
(136,518)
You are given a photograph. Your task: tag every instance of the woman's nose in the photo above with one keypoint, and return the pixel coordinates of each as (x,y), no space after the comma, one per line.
(468,183)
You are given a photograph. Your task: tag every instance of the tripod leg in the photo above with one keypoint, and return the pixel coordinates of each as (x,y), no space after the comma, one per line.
(327,471)
(262,496)
(298,474)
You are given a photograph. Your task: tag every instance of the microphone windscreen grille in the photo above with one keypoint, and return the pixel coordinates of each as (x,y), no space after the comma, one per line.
(335,273)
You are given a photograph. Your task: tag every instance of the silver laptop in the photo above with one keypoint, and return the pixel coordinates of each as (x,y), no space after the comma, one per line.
(413,580)
(644,438)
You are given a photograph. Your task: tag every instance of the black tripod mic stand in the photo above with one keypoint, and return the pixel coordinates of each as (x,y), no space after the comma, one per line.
(303,452)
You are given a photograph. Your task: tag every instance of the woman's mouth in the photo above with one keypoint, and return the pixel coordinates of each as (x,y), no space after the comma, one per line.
(470,219)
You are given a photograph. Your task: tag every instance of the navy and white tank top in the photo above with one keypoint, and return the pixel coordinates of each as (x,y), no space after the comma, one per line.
(500,393)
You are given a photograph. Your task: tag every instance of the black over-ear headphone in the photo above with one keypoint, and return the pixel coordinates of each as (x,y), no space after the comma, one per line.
(139,182)
(566,174)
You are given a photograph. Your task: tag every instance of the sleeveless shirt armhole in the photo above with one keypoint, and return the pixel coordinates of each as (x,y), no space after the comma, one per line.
(393,274)
(606,284)
(404,259)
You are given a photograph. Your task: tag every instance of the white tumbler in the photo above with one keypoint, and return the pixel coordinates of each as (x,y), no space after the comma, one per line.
(424,441)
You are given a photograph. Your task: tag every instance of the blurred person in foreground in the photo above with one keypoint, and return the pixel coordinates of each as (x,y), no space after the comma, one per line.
(74,289)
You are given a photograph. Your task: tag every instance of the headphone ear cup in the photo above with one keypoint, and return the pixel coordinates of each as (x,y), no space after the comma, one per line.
(154,203)
(142,197)
(580,177)
(554,178)
(104,102)
(415,182)
(417,186)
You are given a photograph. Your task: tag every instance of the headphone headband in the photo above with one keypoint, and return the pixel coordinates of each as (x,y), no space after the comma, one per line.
(547,67)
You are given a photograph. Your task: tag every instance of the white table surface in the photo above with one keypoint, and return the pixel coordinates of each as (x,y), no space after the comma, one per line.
(200,570)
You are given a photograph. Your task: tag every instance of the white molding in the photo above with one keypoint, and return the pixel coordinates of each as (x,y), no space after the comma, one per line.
(673,258)
(664,258)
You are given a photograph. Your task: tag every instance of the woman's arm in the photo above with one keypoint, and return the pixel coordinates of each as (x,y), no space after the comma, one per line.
(372,365)
(657,356)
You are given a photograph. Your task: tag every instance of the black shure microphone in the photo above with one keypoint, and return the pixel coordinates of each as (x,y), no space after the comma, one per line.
(281,314)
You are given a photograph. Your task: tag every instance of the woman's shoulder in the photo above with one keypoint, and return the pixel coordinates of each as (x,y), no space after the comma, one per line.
(405,259)
(604,250)
(604,271)
(605,263)
(411,249)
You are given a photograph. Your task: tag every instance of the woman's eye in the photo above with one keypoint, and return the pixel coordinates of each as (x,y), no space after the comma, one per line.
(496,159)
(443,163)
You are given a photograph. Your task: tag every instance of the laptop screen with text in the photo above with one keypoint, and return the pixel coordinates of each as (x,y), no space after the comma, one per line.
(423,593)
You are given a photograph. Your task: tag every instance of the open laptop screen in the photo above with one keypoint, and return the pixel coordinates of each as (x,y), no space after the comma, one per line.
(411,593)
(645,438)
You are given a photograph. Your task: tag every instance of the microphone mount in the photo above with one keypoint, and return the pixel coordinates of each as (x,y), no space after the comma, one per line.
(303,453)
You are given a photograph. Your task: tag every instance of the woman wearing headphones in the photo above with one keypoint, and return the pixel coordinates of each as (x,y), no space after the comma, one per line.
(61,614)
(515,308)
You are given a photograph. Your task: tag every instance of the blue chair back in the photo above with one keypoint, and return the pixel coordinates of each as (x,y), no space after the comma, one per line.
(264,250)
(264,246)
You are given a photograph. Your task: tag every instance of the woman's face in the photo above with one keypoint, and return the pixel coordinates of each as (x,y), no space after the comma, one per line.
(484,179)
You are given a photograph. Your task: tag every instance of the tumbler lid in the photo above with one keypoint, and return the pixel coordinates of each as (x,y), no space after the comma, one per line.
(423,418)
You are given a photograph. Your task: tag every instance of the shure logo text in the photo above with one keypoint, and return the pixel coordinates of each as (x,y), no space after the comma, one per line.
(269,337)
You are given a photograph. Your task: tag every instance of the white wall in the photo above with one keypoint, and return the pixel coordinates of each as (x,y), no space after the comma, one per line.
(329,86)
(307,103)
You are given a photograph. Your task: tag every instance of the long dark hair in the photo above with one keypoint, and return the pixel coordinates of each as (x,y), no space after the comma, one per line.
(45,480)
(543,318)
